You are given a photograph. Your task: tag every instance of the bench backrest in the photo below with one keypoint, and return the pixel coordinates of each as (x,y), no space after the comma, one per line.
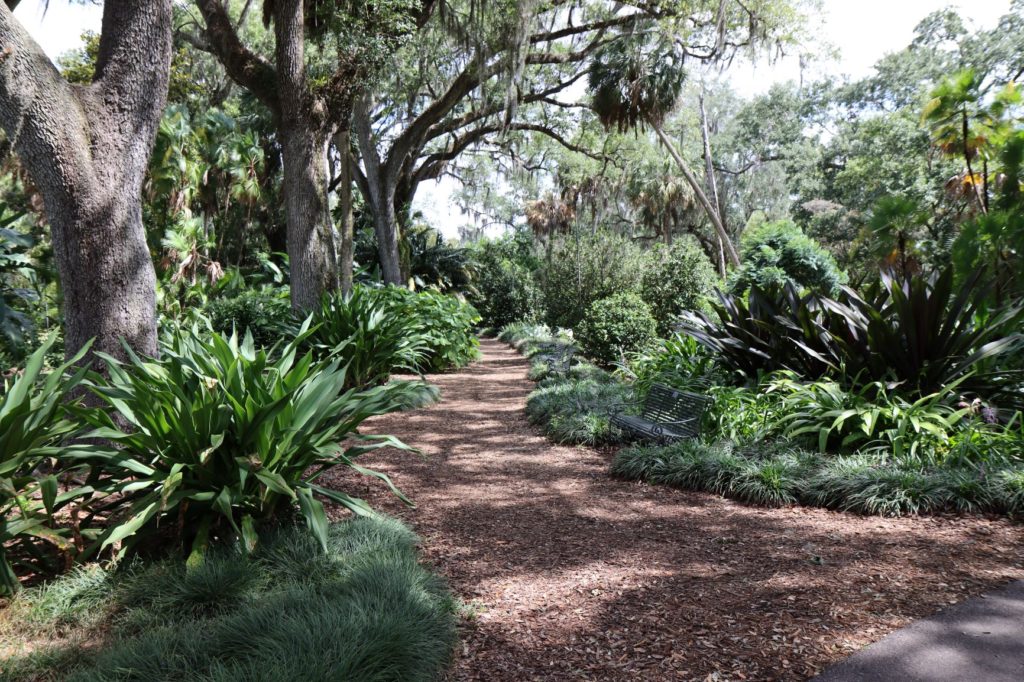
(665,404)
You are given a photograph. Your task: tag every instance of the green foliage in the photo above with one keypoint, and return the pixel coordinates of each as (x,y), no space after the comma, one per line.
(679,362)
(215,439)
(634,81)
(741,414)
(506,292)
(680,278)
(368,334)
(436,264)
(578,410)
(616,326)
(585,268)
(363,610)
(928,333)
(775,253)
(749,336)
(377,331)
(922,333)
(446,323)
(829,418)
(775,474)
(33,427)
(264,314)
(983,441)
(20,278)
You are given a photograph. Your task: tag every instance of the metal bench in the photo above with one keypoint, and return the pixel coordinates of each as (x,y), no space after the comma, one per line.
(666,415)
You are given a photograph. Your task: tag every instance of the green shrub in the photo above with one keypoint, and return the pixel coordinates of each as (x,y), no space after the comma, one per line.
(33,426)
(775,253)
(615,326)
(383,330)
(921,334)
(368,335)
(506,292)
(585,268)
(679,362)
(832,418)
(363,610)
(578,411)
(741,414)
(264,314)
(680,278)
(215,439)
(978,442)
(447,324)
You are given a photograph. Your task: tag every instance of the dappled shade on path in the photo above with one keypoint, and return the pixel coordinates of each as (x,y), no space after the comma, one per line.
(578,576)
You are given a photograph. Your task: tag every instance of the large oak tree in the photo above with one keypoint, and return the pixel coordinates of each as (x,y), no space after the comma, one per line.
(87,149)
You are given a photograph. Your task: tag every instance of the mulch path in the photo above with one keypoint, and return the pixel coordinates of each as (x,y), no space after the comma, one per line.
(574,575)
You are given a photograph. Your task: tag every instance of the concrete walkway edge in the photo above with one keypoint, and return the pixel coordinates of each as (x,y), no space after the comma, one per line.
(979,640)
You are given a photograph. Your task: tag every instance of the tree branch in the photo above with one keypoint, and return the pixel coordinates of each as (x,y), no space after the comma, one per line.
(54,150)
(245,67)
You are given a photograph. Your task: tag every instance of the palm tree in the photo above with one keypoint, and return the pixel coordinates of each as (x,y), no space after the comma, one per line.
(634,81)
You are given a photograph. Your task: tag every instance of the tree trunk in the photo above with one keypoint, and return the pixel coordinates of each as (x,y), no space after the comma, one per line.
(87,149)
(709,165)
(380,192)
(312,258)
(346,253)
(730,250)
(385,225)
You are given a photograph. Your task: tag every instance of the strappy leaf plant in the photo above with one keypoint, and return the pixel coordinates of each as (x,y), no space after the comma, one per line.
(215,439)
(33,427)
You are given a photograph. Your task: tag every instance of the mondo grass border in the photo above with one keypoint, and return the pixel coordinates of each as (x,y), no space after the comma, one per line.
(365,610)
(779,475)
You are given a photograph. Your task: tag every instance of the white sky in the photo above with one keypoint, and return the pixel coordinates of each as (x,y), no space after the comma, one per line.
(862,30)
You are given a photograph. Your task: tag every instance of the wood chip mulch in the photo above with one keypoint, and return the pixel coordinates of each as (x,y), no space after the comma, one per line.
(573,575)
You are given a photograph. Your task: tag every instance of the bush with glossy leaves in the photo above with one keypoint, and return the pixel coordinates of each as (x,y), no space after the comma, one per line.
(615,327)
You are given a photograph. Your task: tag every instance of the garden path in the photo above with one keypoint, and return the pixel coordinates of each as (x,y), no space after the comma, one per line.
(573,575)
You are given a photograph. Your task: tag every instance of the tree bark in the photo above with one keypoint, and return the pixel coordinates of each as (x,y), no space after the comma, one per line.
(87,149)
(312,256)
(379,189)
(730,250)
(346,251)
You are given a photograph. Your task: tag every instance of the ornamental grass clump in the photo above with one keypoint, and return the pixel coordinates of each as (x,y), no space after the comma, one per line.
(578,411)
